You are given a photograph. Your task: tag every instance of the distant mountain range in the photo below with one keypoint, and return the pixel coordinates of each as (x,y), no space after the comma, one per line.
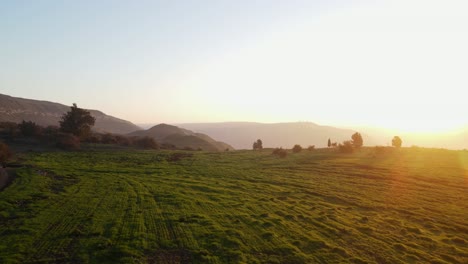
(241,135)
(14,109)
(182,138)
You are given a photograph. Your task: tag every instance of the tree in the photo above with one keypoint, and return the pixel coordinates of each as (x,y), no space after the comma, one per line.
(357,140)
(329,143)
(77,122)
(258,145)
(297,148)
(29,128)
(396,141)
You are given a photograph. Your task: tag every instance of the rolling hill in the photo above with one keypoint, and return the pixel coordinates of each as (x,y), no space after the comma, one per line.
(44,113)
(181,138)
(241,135)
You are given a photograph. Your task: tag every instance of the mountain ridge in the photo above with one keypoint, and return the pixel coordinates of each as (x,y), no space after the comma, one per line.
(241,135)
(47,113)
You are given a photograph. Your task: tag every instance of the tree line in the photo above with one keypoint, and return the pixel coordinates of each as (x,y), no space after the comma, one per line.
(347,146)
(75,127)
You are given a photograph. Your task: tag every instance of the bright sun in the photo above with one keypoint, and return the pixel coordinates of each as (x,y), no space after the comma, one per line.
(391,65)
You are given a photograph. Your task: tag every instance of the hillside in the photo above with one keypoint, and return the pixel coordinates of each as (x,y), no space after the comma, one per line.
(406,206)
(14,109)
(182,138)
(241,135)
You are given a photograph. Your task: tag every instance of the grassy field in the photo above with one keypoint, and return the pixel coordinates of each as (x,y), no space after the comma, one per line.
(404,206)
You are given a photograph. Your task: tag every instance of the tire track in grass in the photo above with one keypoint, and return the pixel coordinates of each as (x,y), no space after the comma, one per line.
(66,222)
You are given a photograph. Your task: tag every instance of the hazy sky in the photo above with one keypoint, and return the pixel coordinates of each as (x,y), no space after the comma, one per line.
(398,63)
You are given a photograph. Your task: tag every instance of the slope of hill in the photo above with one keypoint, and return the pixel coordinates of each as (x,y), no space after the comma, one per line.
(182,138)
(44,113)
(241,135)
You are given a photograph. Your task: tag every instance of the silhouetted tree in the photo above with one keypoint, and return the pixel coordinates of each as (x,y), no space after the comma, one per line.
(297,148)
(311,148)
(329,143)
(396,141)
(257,145)
(77,122)
(357,140)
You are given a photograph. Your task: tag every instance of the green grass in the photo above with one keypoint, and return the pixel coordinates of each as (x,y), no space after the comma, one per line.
(406,206)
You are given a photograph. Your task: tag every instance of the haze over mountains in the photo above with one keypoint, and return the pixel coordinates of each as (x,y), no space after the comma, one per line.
(227,135)
(241,135)
(44,113)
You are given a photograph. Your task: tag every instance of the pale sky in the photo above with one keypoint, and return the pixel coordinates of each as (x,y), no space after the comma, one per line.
(400,64)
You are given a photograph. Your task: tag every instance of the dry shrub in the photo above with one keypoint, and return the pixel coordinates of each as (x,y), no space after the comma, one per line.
(5,152)
(68,141)
(280,152)
(147,143)
(346,147)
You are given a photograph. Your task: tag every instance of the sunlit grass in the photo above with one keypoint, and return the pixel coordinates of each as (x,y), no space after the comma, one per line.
(394,206)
